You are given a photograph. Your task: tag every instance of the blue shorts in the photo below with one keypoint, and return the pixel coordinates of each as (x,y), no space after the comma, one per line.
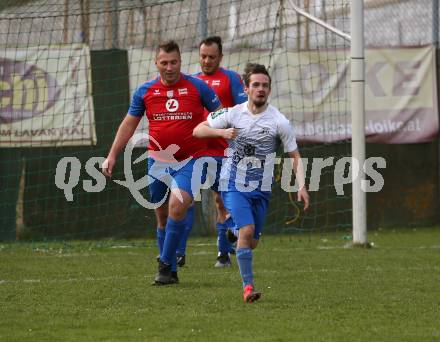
(247,208)
(211,173)
(164,176)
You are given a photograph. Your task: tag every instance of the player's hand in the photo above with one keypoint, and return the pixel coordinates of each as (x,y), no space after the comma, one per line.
(107,167)
(303,195)
(229,133)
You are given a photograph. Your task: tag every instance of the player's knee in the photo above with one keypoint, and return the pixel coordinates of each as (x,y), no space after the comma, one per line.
(178,205)
(245,237)
(177,211)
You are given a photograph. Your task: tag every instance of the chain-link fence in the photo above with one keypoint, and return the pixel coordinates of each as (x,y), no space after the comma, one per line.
(122,23)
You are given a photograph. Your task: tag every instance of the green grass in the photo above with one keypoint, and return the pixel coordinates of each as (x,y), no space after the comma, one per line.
(313,288)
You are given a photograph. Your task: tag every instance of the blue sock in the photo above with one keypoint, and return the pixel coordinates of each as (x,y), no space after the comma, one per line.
(173,233)
(160,234)
(189,221)
(244,260)
(222,242)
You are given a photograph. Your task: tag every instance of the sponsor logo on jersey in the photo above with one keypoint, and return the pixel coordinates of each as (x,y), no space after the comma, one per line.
(170,93)
(218,113)
(156,92)
(264,131)
(216,83)
(183,91)
(249,150)
(172,105)
(172,116)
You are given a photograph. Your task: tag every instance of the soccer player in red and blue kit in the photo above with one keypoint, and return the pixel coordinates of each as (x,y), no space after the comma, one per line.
(228,86)
(174,104)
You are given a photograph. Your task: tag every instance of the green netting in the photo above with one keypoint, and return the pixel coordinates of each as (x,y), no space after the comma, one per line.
(69,68)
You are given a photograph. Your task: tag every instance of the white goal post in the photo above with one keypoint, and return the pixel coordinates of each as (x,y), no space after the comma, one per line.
(356,39)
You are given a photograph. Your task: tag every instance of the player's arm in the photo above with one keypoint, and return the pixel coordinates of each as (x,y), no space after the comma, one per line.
(203,130)
(217,125)
(123,135)
(287,136)
(298,168)
(125,130)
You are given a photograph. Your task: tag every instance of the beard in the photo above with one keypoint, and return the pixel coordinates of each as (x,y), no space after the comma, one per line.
(260,102)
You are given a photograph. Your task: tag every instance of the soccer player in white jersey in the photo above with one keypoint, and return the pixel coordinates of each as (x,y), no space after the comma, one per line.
(254,130)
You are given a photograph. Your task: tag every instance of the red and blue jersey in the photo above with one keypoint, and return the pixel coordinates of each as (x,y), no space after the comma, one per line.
(228,86)
(173,112)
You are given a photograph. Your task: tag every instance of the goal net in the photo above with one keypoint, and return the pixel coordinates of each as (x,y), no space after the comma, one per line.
(69,68)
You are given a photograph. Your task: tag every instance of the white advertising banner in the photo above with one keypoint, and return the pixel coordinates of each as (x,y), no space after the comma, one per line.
(312,88)
(46,97)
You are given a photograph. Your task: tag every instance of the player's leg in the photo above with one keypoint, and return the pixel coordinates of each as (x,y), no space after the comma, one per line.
(260,204)
(180,200)
(161,219)
(181,249)
(157,190)
(223,216)
(223,245)
(179,203)
(224,248)
(240,206)
(167,268)
(248,240)
(208,167)
(245,245)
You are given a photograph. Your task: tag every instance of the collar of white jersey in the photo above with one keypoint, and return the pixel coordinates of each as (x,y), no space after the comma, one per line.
(245,109)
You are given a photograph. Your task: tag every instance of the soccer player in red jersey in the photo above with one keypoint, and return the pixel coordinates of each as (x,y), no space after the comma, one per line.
(174,104)
(228,85)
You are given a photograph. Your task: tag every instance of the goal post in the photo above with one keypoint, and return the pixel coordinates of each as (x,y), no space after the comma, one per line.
(357,66)
(358,120)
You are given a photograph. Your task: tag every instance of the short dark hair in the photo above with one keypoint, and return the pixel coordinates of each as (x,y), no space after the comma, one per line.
(252,69)
(168,46)
(213,40)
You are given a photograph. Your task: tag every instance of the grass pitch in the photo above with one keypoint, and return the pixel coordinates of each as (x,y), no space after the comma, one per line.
(313,288)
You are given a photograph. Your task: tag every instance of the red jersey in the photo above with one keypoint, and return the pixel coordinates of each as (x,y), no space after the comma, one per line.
(228,85)
(173,112)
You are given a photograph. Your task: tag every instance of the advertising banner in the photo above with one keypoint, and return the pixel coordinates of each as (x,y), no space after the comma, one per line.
(46,97)
(312,88)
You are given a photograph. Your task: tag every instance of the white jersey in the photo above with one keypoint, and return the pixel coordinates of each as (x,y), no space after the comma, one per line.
(257,141)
